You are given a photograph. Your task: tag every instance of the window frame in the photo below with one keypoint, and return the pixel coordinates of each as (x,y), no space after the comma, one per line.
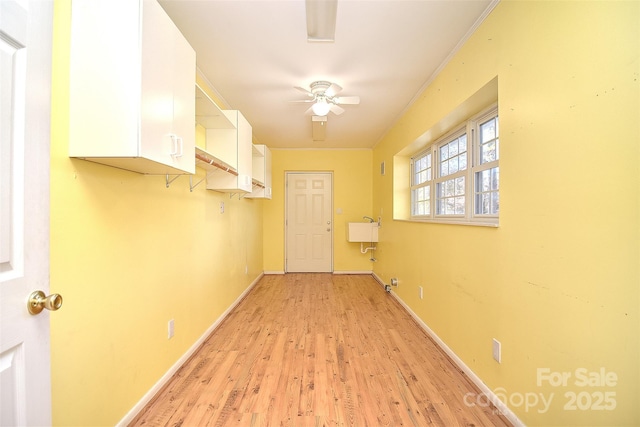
(427,183)
(470,128)
(478,166)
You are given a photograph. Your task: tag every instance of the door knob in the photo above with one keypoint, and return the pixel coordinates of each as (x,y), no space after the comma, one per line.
(39,301)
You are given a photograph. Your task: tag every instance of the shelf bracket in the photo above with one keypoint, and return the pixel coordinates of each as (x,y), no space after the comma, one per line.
(169,181)
(192,185)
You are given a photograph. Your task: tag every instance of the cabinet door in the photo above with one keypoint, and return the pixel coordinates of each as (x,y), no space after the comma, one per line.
(184,104)
(104,85)
(245,157)
(156,115)
(267,173)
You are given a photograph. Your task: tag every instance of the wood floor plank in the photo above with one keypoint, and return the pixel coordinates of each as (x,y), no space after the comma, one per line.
(318,349)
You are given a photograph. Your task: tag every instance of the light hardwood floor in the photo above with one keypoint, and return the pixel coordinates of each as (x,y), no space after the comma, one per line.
(318,350)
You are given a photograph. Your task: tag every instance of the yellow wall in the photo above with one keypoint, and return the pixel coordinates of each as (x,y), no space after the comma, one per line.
(351,194)
(558,281)
(128,255)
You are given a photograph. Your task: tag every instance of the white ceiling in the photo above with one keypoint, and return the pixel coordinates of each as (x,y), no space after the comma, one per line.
(385,51)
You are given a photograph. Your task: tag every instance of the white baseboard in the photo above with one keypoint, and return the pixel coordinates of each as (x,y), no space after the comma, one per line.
(167,376)
(354,272)
(274,272)
(499,404)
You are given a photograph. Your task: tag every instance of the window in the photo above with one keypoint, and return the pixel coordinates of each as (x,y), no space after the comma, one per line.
(421,188)
(465,185)
(487,173)
(450,185)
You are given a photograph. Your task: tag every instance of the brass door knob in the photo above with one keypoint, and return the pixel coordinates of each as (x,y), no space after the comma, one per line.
(39,301)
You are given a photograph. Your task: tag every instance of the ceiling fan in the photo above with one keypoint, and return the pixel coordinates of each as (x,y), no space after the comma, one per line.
(323,94)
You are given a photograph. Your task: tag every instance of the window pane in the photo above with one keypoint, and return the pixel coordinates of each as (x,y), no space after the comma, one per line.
(459,205)
(453,165)
(453,148)
(488,152)
(483,181)
(453,156)
(444,152)
(459,186)
(420,201)
(449,188)
(451,200)
(463,161)
(488,130)
(444,168)
(463,143)
(495,176)
(489,141)
(486,192)
(495,202)
(422,169)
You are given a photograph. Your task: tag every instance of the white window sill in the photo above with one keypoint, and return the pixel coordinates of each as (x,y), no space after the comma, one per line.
(456,221)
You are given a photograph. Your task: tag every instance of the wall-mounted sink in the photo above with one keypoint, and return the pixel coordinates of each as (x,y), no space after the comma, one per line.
(362,232)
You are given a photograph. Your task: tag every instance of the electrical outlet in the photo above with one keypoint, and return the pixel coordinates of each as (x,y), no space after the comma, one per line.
(221,207)
(497,351)
(170,329)
(246,269)
(420,292)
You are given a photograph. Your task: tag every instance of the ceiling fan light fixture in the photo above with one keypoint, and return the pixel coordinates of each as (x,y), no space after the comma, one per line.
(321,107)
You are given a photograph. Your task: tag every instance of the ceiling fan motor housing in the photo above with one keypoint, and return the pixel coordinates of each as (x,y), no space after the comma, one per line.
(319,87)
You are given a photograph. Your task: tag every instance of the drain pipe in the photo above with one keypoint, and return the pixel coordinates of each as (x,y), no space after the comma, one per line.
(364,250)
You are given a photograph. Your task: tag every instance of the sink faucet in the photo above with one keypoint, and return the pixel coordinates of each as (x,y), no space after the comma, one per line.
(368,217)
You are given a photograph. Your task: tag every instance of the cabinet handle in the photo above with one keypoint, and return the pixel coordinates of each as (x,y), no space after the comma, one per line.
(181,145)
(177,146)
(174,145)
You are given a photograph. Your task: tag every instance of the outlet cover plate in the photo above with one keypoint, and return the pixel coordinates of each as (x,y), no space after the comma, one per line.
(170,329)
(497,351)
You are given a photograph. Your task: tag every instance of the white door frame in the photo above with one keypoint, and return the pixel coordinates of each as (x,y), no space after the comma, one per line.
(286,213)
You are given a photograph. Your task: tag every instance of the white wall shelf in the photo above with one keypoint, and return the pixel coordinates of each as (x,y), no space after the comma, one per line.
(208,114)
(232,146)
(261,173)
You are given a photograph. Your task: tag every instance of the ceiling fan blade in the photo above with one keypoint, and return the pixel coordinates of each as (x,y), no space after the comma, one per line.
(305,101)
(333,90)
(307,92)
(336,109)
(352,100)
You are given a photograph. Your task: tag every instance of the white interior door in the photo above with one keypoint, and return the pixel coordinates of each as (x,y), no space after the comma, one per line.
(309,222)
(25,83)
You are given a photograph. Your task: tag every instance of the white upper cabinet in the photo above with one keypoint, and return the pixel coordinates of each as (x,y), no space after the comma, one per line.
(132,101)
(233,147)
(261,173)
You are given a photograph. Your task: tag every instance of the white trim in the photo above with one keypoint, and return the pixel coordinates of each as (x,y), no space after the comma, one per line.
(504,409)
(169,374)
(320,149)
(354,272)
(274,272)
